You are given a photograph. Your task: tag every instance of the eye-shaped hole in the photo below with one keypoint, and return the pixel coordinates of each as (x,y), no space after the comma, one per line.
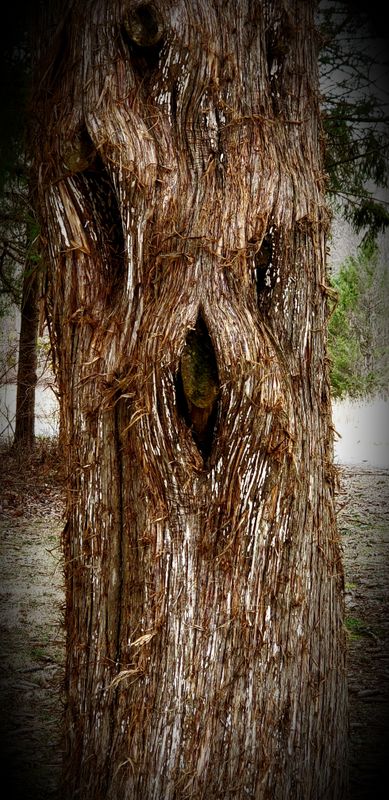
(197,386)
(144,26)
(99,208)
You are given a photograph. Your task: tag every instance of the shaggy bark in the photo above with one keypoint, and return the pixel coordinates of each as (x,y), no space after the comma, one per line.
(178,164)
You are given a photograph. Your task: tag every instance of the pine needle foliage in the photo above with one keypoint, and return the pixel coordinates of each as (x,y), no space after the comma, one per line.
(354,66)
(358,329)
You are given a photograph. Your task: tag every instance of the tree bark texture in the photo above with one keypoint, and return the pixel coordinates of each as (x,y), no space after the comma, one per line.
(179,177)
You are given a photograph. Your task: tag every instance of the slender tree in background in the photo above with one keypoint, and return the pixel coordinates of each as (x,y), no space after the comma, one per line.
(19,278)
(179,180)
(24,437)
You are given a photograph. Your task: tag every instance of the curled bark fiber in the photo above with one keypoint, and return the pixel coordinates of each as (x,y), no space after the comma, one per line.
(178,163)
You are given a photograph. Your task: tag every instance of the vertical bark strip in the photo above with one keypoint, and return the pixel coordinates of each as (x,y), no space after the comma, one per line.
(180,184)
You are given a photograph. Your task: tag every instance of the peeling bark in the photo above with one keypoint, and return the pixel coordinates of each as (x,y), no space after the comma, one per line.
(179,174)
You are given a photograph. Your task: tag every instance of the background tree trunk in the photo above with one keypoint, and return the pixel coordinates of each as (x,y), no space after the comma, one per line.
(178,162)
(24,437)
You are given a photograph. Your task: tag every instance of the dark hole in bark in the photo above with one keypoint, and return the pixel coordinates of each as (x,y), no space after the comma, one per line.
(143,33)
(266,267)
(263,263)
(144,26)
(103,215)
(197,386)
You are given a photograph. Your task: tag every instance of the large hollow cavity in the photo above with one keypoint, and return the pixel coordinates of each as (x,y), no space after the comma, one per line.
(197,386)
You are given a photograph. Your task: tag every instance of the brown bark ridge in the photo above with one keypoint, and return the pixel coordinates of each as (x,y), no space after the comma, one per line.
(179,174)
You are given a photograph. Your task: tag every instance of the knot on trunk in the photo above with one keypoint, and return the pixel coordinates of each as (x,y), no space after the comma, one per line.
(144,25)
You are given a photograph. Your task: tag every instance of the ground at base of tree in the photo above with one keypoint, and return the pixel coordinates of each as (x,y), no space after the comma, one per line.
(32,637)
(31,631)
(363,519)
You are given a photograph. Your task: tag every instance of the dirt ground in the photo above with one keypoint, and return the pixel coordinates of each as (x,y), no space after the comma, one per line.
(31,631)
(363,519)
(32,637)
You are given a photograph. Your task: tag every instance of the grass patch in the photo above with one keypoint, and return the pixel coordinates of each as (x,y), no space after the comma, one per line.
(356,628)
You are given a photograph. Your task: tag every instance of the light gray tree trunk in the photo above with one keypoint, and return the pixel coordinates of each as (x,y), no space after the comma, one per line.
(24,438)
(179,173)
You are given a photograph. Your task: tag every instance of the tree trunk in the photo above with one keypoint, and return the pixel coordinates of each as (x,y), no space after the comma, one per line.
(24,437)
(179,171)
